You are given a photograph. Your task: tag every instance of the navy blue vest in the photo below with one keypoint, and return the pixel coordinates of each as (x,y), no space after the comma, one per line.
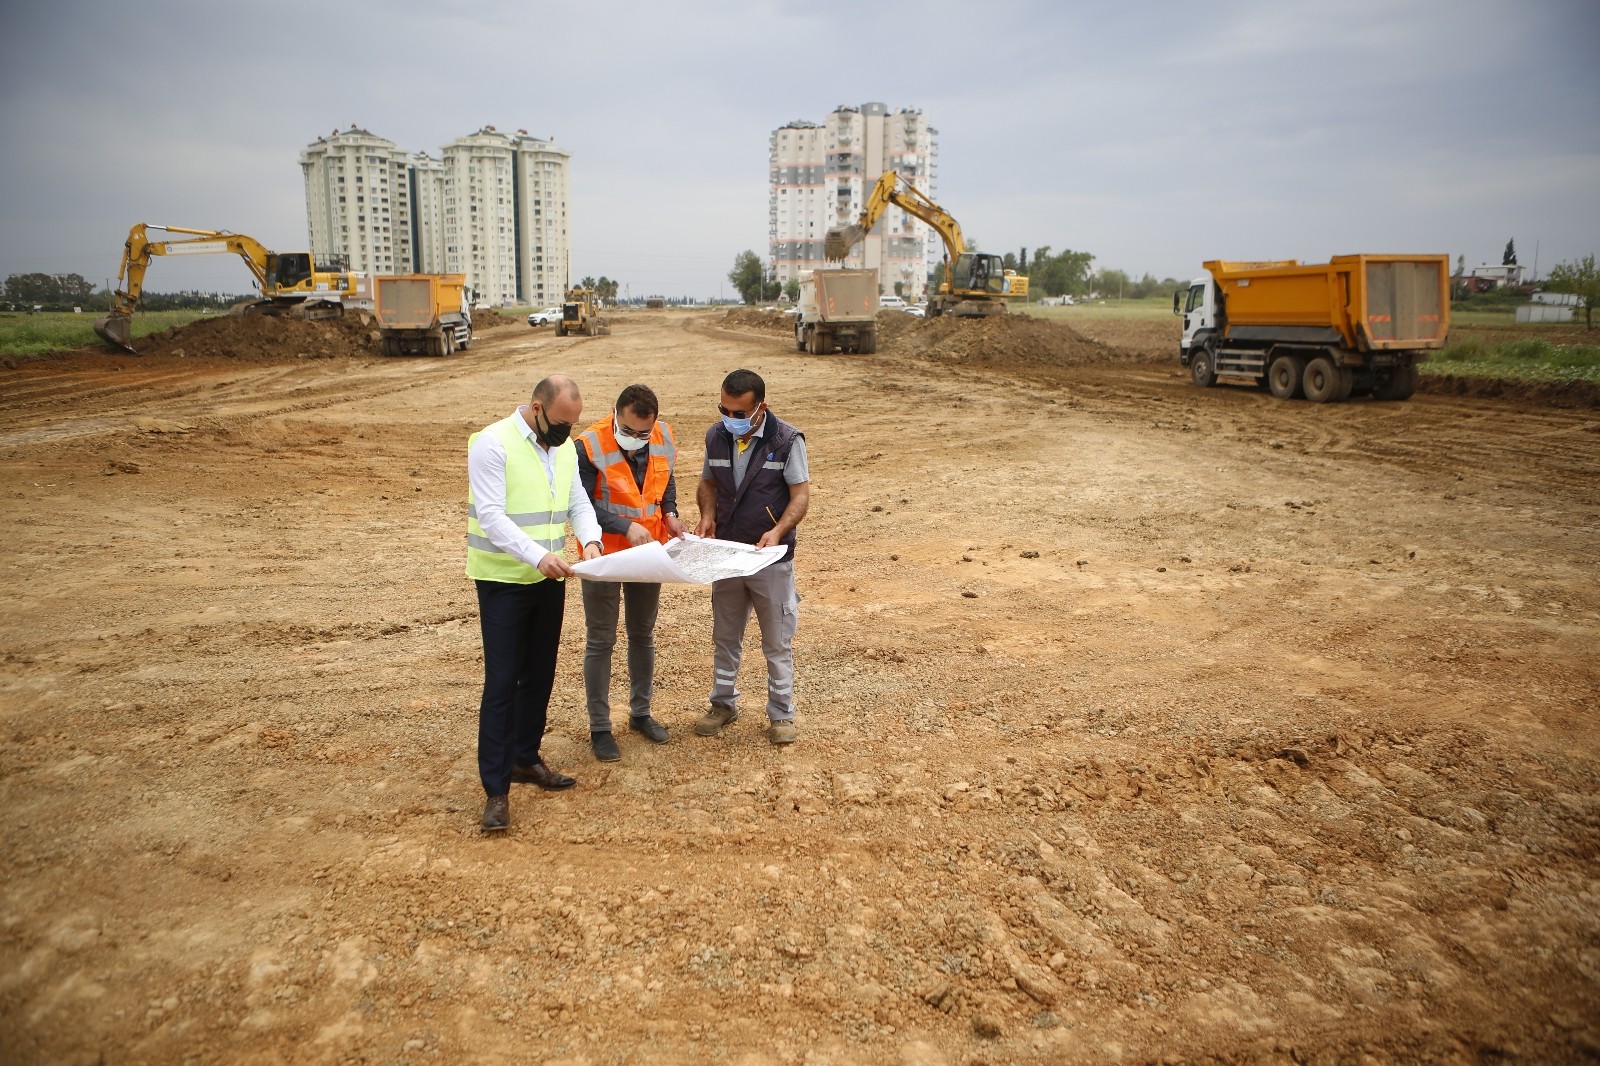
(747,510)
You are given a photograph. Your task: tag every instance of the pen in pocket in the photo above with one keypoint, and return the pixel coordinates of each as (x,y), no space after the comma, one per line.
(770,515)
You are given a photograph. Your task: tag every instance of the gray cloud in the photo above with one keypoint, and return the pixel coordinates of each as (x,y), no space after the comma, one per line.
(1153,136)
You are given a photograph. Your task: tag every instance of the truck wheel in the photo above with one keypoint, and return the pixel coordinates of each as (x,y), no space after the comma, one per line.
(1321,381)
(869,344)
(1283,376)
(799,339)
(1202,368)
(814,342)
(1347,384)
(1398,384)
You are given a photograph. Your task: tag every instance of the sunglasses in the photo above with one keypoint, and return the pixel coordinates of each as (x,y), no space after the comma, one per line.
(738,414)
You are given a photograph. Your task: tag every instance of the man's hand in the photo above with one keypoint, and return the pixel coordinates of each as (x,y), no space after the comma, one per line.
(769,538)
(592,550)
(674,526)
(707,526)
(638,535)
(553,566)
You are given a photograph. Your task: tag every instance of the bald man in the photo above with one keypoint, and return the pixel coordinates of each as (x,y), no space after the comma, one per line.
(524,489)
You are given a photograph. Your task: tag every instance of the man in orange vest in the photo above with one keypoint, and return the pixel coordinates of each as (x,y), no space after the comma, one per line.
(625,462)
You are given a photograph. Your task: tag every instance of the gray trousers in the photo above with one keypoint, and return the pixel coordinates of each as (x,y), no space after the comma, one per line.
(770,593)
(601,600)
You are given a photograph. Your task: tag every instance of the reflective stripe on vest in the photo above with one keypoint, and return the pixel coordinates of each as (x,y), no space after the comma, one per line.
(530,503)
(615,490)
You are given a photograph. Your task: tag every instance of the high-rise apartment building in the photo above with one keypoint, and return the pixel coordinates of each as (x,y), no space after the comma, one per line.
(821,176)
(492,207)
(358,200)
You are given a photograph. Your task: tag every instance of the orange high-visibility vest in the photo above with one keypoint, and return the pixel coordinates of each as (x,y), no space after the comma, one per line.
(616,492)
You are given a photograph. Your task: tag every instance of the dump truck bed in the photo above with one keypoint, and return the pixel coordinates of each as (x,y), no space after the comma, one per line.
(846,295)
(415,301)
(1373,302)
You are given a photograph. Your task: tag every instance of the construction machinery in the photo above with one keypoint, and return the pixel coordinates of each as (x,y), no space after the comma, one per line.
(1322,331)
(975,283)
(838,310)
(290,282)
(580,315)
(422,314)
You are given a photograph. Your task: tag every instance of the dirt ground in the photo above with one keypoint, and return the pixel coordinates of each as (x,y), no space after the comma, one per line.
(1138,723)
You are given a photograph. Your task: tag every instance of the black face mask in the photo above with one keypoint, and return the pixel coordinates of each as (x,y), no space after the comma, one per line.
(555,434)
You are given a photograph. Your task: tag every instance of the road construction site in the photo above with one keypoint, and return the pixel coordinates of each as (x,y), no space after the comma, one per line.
(1138,722)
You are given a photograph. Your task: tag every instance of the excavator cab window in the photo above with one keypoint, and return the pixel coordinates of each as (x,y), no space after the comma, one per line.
(291,269)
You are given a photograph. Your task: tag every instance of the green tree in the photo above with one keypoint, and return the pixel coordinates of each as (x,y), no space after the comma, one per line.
(791,289)
(748,276)
(48,290)
(1509,256)
(1579,277)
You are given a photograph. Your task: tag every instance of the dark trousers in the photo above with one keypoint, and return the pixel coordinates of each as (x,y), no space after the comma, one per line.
(521,627)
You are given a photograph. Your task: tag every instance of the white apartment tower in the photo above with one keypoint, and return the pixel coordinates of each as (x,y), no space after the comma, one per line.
(493,207)
(427,214)
(358,200)
(821,176)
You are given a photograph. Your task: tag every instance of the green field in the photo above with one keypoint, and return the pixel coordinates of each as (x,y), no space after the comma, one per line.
(1533,359)
(54,331)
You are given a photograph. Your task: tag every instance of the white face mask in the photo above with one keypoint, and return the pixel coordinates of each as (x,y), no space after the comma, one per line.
(625,442)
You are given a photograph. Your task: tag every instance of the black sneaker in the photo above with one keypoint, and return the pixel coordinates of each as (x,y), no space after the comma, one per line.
(605,747)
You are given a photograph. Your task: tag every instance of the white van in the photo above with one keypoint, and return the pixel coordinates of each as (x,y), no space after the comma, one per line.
(891,303)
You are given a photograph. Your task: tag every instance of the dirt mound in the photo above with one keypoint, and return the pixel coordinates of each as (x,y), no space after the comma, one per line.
(1552,393)
(265,339)
(493,318)
(747,320)
(1000,340)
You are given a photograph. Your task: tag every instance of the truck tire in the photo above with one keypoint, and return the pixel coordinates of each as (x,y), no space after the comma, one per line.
(1398,384)
(1284,375)
(1347,384)
(799,339)
(1203,368)
(869,343)
(814,342)
(1321,381)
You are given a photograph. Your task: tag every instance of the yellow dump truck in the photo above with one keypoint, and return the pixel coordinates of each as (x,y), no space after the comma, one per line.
(422,314)
(1358,324)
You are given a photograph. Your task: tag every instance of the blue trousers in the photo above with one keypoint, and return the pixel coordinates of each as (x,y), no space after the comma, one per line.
(521,627)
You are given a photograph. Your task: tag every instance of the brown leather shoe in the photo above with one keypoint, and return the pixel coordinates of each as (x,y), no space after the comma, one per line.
(541,775)
(496,814)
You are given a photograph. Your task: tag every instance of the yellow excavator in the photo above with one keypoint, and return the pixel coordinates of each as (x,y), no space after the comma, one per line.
(290,282)
(975,283)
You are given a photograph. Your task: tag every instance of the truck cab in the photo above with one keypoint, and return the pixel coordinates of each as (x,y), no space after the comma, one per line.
(1198,306)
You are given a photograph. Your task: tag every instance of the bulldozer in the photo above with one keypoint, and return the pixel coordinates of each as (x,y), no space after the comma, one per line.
(975,283)
(580,315)
(291,283)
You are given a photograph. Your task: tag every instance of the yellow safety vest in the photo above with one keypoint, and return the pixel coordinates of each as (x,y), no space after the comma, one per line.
(530,502)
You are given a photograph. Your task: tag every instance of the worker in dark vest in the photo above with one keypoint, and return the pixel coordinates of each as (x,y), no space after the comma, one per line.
(754,489)
(625,461)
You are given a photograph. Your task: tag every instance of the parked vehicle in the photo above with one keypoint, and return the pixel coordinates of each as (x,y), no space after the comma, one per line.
(548,317)
(1322,331)
(422,314)
(838,310)
(891,303)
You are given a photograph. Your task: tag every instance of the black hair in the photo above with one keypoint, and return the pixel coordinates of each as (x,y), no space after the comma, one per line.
(639,399)
(742,381)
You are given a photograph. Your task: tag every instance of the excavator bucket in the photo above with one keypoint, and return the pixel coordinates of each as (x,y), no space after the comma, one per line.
(837,242)
(117,331)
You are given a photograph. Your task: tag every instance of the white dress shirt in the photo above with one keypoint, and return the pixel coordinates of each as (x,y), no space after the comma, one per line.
(486,471)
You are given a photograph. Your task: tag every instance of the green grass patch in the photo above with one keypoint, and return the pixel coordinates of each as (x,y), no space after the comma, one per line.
(1532,359)
(56,331)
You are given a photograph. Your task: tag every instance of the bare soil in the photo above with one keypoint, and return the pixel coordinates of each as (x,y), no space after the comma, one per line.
(1138,723)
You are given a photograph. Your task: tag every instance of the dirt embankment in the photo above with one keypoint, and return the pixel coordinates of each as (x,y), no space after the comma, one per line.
(1008,341)
(748,320)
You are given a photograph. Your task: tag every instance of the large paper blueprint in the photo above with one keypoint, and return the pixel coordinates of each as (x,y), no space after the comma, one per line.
(687,559)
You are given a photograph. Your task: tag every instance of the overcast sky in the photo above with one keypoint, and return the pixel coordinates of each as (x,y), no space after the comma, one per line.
(1154,135)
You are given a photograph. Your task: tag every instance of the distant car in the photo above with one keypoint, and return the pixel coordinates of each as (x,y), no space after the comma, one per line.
(915,310)
(549,316)
(891,303)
